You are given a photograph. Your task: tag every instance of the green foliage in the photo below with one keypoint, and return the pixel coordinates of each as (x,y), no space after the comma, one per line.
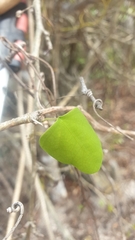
(81,60)
(80,207)
(118,139)
(110,208)
(72,140)
(102,203)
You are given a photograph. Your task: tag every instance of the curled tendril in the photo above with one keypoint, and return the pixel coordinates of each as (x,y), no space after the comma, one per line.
(16,207)
(97,104)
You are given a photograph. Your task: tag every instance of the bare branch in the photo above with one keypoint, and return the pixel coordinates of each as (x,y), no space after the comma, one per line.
(40,29)
(39,114)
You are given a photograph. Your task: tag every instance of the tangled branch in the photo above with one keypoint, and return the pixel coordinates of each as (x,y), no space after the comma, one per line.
(39,116)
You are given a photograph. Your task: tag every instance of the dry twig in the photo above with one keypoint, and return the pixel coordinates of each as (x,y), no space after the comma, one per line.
(39,116)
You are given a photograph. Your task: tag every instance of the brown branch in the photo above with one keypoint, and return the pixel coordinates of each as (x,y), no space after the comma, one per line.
(38,116)
(16,77)
(79,6)
(40,29)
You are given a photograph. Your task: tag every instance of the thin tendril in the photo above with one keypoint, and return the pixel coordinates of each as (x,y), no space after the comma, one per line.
(94,108)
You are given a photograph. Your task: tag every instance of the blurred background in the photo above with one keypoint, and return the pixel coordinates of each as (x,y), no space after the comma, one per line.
(96,40)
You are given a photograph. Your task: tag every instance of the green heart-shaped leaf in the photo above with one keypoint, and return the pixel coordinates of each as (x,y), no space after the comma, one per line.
(72,140)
